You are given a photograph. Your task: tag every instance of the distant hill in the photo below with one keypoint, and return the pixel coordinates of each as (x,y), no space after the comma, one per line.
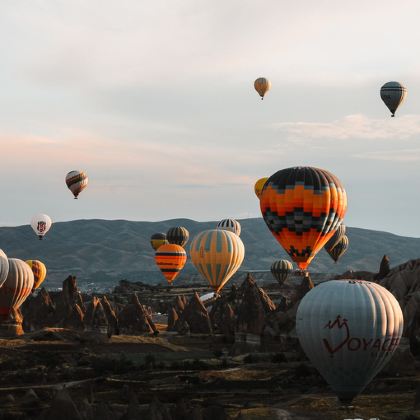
(105,251)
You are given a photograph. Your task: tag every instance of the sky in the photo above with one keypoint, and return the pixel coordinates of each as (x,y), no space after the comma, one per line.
(155,101)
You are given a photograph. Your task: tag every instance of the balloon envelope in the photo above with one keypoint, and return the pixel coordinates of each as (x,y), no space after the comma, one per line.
(340,248)
(393,95)
(170,258)
(349,329)
(217,255)
(39,270)
(157,240)
(262,86)
(333,241)
(4,267)
(230,224)
(17,287)
(178,235)
(281,270)
(41,224)
(258,187)
(76,182)
(303,207)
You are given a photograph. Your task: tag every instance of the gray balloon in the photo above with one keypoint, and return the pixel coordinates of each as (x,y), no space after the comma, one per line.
(349,329)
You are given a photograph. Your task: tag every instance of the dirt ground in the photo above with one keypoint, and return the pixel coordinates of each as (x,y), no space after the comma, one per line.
(173,368)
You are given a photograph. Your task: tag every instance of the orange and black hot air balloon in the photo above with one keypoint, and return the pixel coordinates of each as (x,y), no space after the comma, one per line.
(170,258)
(303,207)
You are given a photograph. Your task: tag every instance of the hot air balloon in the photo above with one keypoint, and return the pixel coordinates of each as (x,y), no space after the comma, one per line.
(339,233)
(393,94)
(41,224)
(303,207)
(281,270)
(4,267)
(170,258)
(157,240)
(17,287)
(349,329)
(76,182)
(39,270)
(340,248)
(230,224)
(262,86)
(217,255)
(178,235)
(258,187)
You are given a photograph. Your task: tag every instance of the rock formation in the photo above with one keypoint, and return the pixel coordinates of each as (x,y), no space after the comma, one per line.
(172,319)
(74,318)
(39,312)
(403,282)
(384,268)
(95,318)
(113,327)
(133,319)
(254,305)
(196,316)
(71,294)
(223,317)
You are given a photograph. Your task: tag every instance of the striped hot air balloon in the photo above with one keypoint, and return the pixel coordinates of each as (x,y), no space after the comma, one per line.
(262,86)
(170,258)
(230,224)
(349,329)
(303,207)
(339,249)
(281,270)
(217,255)
(393,95)
(76,182)
(339,233)
(17,287)
(4,267)
(39,270)
(157,240)
(259,185)
(178,235)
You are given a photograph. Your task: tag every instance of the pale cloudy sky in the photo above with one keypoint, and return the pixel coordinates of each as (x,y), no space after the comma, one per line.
(155,101)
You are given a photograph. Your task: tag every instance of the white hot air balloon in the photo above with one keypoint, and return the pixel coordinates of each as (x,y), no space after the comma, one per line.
(349,329)
(4,267)
(41,224)
(230,224)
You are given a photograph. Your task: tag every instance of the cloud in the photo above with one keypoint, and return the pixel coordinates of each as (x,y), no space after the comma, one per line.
(352,127)
(404,155)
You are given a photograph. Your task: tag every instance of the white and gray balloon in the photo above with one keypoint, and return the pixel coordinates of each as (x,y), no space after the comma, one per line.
(349,329)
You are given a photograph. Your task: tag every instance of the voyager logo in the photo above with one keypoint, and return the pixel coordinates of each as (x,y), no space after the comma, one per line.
(354,343)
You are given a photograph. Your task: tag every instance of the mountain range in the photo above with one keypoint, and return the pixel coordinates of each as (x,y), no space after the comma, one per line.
(101,252)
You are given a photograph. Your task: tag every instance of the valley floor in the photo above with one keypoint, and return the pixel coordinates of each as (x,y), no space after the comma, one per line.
(127,372)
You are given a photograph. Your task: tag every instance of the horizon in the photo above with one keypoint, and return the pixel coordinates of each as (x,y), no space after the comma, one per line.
(192,220)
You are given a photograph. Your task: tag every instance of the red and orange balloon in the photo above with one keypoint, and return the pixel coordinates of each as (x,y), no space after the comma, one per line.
(303,207)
